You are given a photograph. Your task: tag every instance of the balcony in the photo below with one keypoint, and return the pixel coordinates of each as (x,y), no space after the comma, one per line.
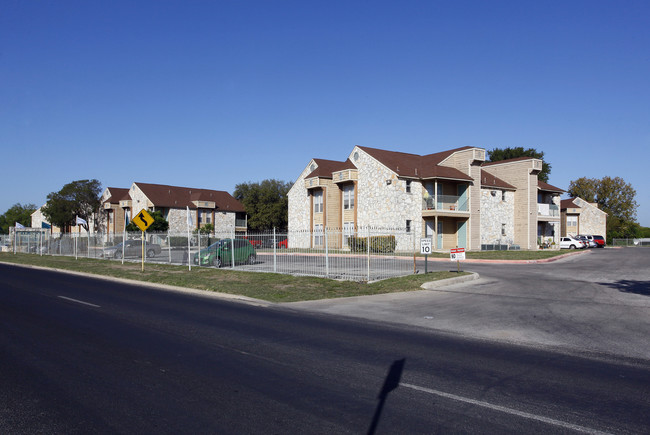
(312,183)
(548,211)
(445,203)
(345,175)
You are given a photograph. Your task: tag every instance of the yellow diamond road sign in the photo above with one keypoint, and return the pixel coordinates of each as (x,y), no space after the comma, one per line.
(143,220)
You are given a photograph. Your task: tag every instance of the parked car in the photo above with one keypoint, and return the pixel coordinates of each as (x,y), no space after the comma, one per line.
(588,240)
(569,242)
(221,253)
(600,241)
(257,243)
(132,248)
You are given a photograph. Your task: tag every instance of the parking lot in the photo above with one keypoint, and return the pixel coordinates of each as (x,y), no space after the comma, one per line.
(595,303)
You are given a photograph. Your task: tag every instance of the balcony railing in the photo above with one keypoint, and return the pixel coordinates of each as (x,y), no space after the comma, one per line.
(550,210)
(445,203)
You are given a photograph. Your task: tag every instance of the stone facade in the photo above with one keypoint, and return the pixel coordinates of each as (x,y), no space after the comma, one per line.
(592,220)
(383,201)
(498,220)
(443,195)
(216,207)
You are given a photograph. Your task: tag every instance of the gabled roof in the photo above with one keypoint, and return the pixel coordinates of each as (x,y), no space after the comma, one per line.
(488,180)
(180,197)
(548,188)
(579,203)
(327,167)
(568,203)
(117,194)
(416,166)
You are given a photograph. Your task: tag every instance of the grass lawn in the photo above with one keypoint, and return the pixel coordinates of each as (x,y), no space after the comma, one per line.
(266,286)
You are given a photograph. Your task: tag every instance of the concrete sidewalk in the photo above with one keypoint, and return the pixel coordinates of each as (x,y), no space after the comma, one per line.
(596,304)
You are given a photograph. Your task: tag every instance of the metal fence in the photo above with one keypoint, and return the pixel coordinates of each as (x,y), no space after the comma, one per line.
(631,242)
(362,255)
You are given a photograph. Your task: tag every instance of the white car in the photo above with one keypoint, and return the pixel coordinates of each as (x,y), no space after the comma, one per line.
(588,240)
(569,242)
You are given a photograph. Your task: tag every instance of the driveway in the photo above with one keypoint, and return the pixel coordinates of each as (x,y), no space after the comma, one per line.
(595,303)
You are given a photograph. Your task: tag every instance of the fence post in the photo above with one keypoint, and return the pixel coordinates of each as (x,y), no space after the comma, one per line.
(327,258)
(169,246)
(368,248)
(232,250)
(275,259)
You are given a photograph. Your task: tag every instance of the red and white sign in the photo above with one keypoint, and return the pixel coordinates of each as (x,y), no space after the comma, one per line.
(457,254)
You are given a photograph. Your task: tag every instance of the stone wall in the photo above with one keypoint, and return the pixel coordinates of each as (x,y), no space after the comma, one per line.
(494,213)
(299,211)
(592,220)
(382,199)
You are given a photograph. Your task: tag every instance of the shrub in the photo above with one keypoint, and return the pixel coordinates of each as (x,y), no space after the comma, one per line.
(378,244)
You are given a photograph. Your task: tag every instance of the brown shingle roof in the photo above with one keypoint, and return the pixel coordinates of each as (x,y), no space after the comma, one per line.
(180,197)
(489,180)
(568,203)
(547,187)
(416,166)
(117,194)
(326,167)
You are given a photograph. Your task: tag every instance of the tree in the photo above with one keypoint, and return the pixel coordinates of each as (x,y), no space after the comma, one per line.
(16,213)
(78,198)
(498,154)
(266,203)
(159,224)
(615,197)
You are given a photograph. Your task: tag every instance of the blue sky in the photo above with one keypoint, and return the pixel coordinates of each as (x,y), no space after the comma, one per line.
(210,94)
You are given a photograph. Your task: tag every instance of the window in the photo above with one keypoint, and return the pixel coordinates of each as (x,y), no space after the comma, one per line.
(204,217)
(408,186)
(572,221)
(348,197)
(318,202)
(408,226)
(318,235)
(503,229)
(503,195)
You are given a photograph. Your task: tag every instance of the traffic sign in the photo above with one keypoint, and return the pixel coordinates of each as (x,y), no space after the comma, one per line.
(426,245)
(143,220)
(457,254)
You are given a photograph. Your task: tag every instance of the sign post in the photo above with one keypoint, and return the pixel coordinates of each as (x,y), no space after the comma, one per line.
(457,254)
(426,244)
(143,220)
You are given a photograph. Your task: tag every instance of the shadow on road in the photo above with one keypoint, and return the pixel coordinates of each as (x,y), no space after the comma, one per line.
(630,286)
(390,383)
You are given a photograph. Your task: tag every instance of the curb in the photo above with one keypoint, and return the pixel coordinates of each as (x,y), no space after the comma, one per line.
(543,260)
(449,281)
(153,285)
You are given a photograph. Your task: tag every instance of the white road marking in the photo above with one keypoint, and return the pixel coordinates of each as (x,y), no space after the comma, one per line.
(79,302)
(522,414)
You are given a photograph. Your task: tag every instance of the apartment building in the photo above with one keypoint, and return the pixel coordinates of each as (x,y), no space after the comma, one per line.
(453,196)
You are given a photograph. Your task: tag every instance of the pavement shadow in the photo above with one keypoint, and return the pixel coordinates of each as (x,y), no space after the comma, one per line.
(390,383)
(631,286)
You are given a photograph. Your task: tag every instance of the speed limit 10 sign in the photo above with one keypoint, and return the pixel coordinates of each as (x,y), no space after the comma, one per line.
(426,245)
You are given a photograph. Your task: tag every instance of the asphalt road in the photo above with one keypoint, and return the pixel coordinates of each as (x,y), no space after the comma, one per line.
(596,303)
(81,355)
